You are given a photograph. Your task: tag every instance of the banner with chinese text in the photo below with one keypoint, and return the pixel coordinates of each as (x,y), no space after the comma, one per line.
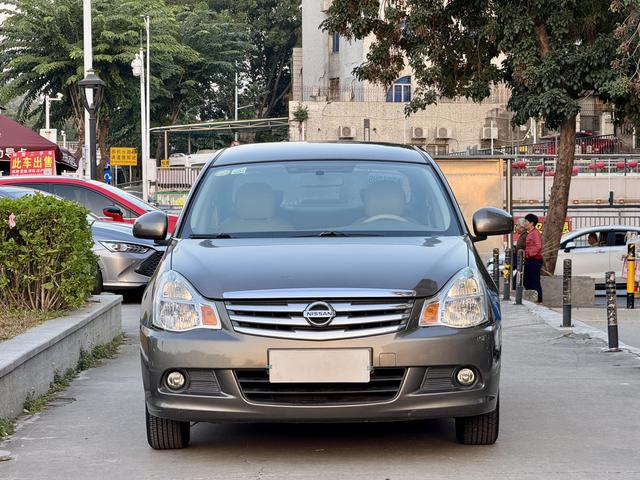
(33,163)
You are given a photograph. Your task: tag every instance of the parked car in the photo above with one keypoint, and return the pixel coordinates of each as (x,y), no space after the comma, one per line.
(319,282)
(606,255)
(104,201)
(594,260)
(124,262)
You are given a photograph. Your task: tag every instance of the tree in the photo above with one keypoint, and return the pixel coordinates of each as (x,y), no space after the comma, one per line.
(549,52)
(274,29)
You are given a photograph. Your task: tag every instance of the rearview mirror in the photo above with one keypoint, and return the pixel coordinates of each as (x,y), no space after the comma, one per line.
(569,246)
(491,221)
(151,225)
(114,213)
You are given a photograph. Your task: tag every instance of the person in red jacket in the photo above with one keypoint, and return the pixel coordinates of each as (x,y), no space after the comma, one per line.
(532,256)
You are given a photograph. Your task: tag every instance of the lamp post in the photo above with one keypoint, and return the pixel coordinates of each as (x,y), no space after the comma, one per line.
(91,90)
(137,66)
(47,107)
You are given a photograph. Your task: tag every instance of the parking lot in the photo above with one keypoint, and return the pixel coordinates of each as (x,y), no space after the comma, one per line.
(568,412)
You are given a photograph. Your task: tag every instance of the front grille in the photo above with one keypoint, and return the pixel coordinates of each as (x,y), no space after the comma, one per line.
(383,386)
(148,267)
(284,319)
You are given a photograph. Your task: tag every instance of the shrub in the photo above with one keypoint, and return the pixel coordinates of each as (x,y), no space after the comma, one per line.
(46,262)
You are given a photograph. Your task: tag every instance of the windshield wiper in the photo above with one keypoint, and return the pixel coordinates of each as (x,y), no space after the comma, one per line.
(335,233)
(209,236)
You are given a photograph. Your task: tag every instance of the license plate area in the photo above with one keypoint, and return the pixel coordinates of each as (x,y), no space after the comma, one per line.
(351,365)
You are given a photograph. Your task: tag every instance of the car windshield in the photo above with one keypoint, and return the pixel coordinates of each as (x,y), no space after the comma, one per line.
(320,198)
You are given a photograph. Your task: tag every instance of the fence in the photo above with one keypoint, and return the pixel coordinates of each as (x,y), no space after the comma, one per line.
(614,164)
(591,217)
(176,178)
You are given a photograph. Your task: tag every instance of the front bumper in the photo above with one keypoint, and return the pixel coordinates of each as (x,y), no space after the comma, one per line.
(122,270)
(415,350)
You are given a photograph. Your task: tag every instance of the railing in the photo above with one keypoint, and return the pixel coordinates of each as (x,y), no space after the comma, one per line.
(176,178)
(592,145)
(377,93)
(584,218)
(594,165)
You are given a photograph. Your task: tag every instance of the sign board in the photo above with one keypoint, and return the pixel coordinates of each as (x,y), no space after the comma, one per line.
(33,163)
(124,156)
(164,163)
(566,227)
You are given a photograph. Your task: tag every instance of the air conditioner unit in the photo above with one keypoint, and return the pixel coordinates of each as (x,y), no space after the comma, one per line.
(315,91)
(325,5)
(443,132)
(346,132)
(418,132)
(489,132)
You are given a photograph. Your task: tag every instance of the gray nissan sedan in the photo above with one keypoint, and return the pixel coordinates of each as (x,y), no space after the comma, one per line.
(320,282)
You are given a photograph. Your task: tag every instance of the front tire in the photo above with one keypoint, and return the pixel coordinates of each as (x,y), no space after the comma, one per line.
(163,434)
(479,429)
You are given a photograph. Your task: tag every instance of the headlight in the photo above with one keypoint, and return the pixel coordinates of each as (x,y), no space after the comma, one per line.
(461,304)
(124,247)
(178,307)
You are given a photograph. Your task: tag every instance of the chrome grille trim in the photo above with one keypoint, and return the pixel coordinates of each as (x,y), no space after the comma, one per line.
(321,293)
(284,319)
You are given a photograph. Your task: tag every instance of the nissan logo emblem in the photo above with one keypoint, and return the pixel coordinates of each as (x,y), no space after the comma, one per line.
(319,314)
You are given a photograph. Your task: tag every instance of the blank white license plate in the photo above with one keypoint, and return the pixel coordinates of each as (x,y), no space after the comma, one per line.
(320,366)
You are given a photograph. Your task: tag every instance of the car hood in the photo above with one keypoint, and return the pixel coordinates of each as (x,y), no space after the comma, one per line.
(218,267)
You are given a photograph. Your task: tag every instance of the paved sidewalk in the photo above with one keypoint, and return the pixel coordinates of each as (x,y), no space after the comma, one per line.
(569,411)
(596,317)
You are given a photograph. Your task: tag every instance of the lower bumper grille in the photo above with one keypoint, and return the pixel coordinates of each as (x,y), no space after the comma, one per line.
(384,385)
(148,267)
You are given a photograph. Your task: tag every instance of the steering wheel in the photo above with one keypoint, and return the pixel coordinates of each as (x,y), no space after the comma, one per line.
(386,216)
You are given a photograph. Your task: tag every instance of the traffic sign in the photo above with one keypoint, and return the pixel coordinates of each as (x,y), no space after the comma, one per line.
(124,156)
(107,176)
(164,163)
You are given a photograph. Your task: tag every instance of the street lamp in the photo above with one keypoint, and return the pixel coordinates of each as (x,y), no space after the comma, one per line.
(47,107)
(137,66)
(91,90)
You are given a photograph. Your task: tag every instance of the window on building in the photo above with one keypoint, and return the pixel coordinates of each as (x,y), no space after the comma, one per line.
(334,89)
(400,91)
(590,123)
(335,42)
(437,149)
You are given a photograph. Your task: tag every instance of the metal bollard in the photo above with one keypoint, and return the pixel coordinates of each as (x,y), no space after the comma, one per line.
(612,311)
(520,277)
(496,267)
(631,274)
(566,293)
(506,270)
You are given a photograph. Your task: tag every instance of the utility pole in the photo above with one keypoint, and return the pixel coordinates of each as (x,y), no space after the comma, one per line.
(88,65)
(235,116)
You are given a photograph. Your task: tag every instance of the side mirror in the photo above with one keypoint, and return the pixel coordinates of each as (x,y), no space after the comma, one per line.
(151,225)
(491,221)
(114,213)
(569,246)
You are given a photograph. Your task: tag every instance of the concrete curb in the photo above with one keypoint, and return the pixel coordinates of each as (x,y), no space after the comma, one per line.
(554,320)
(29,361)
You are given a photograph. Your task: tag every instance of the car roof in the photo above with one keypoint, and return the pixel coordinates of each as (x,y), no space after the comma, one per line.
(599,228)
(282,151)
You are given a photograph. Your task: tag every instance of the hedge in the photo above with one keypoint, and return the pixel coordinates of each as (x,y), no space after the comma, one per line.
(46,262)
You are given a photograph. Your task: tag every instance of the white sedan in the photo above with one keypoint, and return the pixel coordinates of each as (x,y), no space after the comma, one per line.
(596,250)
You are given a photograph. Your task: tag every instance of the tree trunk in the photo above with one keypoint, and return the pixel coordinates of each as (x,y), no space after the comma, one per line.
(559,197)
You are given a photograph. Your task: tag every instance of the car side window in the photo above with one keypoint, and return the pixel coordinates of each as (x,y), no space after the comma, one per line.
(590,240)
(35,185)
(619,238)
(94,201)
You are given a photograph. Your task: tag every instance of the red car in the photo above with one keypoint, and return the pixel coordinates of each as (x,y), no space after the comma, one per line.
(104,201)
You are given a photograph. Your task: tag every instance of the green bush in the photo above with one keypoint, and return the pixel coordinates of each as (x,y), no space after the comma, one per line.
(46,262)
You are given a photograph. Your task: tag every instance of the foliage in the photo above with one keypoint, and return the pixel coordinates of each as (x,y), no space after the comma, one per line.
(301,114)
(46,262)
(7,427)
(550,53)
(16,321)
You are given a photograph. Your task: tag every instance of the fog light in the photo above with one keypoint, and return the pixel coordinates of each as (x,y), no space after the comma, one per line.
(175,380)
(466,377)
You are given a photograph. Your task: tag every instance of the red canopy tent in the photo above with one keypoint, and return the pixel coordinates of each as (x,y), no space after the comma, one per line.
(15,138)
